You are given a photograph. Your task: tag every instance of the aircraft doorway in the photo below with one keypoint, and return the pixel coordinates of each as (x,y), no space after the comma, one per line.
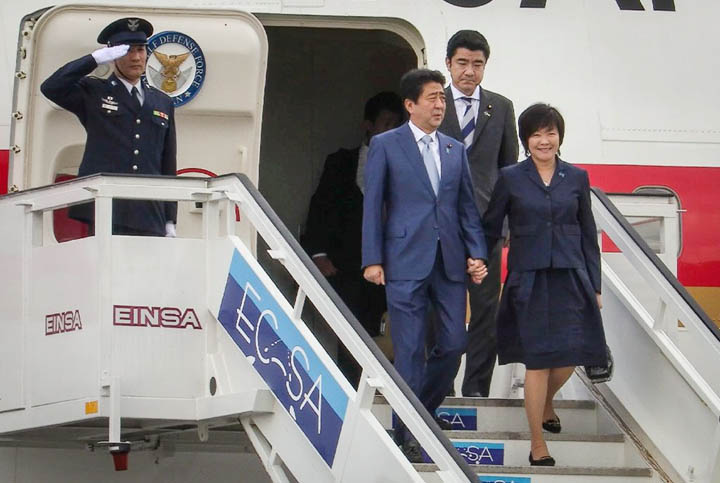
(317,82)
(318,79)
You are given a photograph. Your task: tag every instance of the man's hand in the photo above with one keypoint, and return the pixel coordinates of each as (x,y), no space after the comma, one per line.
(170,230)
(599,299)
(108,54)
(325,265)
(374,274)
(477,270)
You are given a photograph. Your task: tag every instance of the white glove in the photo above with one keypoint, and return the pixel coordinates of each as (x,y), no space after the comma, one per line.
(170,230)
(108,54)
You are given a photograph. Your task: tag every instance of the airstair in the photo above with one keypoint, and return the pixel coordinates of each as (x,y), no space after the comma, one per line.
(140,344)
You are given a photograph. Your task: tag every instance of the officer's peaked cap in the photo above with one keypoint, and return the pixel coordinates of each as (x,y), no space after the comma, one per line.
(130,30)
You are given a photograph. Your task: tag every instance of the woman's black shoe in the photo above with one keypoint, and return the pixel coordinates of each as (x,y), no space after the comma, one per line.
(544,461)
(552,425)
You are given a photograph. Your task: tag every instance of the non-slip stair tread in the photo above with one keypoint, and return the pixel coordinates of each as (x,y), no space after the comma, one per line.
(499,402)
(550,470)
(512,436)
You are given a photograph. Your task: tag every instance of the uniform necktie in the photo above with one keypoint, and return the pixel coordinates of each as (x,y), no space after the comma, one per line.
(429,161)
(468,123)
(136,96)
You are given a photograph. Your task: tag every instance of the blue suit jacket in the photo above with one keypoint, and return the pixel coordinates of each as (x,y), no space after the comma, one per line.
(550,226)
(403,219)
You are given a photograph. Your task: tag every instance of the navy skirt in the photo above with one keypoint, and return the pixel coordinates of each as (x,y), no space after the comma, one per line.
(550,318)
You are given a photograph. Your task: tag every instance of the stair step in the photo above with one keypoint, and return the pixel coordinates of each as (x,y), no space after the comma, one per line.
(511,449)
(546,474)
(487,414)
(502,402)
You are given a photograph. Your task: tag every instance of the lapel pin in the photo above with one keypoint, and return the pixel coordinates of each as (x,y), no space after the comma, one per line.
(561,174)
(487,113)
(448,148)
(113,83)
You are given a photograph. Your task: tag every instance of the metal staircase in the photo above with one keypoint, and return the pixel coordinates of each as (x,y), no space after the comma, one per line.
(189,345)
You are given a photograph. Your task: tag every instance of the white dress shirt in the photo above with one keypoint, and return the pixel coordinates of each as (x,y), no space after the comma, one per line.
(434,145)
(129,86)
(362,160)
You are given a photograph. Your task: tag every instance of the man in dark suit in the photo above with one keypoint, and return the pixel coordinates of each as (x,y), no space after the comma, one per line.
(485,122)
(421,233)
(130,126)
(333,229)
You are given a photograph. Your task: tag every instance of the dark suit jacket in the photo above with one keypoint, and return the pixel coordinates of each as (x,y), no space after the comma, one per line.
(396,182)
(121,136)
(550,226)
(495,142)
(334,222)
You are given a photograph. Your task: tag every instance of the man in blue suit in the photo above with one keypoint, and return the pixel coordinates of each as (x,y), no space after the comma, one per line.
(421,234)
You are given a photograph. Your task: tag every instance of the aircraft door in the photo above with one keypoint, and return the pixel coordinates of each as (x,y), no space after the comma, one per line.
(211,62)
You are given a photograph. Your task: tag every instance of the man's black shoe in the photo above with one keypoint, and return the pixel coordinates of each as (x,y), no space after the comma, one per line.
(411,450)
(444,425)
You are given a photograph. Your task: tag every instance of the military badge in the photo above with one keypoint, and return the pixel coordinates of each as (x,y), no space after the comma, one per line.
(176,66)
(161,114)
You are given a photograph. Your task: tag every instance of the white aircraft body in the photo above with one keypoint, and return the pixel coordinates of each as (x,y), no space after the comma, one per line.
(283,85)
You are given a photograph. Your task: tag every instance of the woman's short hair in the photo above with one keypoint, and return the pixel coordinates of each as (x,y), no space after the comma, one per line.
(536,117)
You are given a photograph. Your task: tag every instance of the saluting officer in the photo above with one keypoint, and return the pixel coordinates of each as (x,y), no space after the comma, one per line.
(130,126)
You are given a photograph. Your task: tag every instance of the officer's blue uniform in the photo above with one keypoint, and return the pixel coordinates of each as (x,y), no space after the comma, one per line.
(122,137)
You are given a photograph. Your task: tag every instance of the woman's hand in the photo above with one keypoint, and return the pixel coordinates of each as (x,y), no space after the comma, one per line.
(477,270)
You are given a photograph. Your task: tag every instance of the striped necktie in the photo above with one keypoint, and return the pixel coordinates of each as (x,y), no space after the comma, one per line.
(429,161)
(468,123)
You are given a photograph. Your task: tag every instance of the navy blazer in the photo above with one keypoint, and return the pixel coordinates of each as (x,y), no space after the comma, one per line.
(403,220)
(122,137)
(550,226)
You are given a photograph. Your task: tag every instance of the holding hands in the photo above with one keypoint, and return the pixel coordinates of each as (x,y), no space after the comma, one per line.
(477,270)
(108,54)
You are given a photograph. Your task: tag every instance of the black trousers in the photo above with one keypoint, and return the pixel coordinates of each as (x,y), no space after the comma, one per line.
(481,353)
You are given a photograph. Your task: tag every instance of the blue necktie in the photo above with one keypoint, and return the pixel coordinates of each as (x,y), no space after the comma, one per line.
(429,161)
(468,123)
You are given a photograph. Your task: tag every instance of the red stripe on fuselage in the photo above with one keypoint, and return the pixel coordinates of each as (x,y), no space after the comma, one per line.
(699,192)
(4,168)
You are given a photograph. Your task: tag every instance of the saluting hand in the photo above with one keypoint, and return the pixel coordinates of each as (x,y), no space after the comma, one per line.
(374,274)
(108,54)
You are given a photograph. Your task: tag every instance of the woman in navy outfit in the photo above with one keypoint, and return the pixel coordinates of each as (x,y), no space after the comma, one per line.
(549,315)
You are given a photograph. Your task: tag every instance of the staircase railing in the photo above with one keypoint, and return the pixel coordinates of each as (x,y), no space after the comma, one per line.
(257,217)
(666,351)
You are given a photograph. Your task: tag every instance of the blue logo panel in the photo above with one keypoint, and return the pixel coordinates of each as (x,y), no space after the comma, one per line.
(478,453)
(503,479)
(460,418)
(269,339)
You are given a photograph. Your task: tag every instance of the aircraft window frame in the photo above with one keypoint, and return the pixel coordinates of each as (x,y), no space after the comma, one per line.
(665,191)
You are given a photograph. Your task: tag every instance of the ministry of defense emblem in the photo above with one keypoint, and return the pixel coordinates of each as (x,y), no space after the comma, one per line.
(176,66)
